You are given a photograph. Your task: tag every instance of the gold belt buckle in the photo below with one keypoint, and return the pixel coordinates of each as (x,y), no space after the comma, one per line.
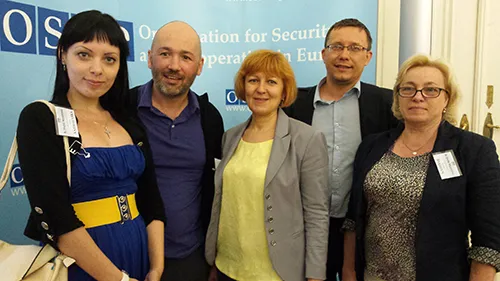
(124,208)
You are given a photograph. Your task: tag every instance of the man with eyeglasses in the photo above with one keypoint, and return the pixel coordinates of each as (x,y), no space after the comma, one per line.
(345,110)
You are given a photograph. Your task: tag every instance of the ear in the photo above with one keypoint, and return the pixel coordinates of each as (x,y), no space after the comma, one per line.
(59,52)
(61,55)
(283,97)
(150,54)
(200,66)
(323,54)
(369,55)
(64,57)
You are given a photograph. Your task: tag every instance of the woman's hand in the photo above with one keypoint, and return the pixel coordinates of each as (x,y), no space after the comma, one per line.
(213,274)
(156,244)
(348,269)
(481,272)
(348,275)
(153,275)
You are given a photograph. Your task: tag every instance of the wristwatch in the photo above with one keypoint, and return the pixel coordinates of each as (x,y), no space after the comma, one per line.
(125,276)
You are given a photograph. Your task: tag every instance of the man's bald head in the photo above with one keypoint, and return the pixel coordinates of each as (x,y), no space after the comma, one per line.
(175,59)
(180,32)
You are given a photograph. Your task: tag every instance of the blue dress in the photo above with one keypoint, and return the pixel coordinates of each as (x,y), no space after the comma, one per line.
(111,172)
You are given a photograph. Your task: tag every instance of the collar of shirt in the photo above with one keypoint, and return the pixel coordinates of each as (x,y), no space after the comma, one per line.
(145,99)
(317,99)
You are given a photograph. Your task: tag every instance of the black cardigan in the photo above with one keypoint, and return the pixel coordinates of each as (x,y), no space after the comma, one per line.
(213,129)
(448,208)
(43,162)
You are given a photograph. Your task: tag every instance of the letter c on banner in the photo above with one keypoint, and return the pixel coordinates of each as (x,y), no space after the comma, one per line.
(14,178)
(231,97)
(8,33)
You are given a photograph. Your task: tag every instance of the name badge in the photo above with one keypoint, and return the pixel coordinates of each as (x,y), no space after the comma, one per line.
(66,122)
(447,165)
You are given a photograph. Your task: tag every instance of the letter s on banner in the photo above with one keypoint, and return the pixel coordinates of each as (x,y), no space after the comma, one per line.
(50,26)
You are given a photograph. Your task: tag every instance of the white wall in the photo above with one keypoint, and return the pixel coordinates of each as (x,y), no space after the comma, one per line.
(388,42)
(454,39)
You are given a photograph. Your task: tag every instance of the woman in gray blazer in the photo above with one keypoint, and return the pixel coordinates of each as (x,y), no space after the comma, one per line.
(270,211)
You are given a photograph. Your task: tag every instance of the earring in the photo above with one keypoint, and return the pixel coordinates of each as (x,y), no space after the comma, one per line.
(444,110)
(64,67)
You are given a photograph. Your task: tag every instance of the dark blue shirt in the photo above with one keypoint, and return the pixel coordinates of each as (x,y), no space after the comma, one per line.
(178,148)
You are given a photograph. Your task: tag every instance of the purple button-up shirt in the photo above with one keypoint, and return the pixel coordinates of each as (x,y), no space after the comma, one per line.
(178,148)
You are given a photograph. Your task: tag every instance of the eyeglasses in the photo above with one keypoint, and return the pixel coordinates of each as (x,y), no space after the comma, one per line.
(427,92)
(339,48)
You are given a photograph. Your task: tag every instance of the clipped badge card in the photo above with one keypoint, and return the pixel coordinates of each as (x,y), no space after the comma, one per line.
(447,164)
(66,122)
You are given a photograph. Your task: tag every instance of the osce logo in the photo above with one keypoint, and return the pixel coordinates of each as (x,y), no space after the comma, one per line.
(16,176)
(21,34)
(233,103)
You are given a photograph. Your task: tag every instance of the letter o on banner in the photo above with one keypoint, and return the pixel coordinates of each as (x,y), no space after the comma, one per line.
(8,33)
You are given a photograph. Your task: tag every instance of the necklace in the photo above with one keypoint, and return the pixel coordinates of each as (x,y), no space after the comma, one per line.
(415,151)
(105,127)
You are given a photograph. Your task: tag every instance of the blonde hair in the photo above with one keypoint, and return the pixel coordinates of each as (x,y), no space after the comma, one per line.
(449,84)
(270,63)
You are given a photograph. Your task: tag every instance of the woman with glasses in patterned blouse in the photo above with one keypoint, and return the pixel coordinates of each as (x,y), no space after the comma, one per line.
(420,188)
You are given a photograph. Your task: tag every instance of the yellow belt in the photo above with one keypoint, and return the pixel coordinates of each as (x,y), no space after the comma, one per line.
(107,210)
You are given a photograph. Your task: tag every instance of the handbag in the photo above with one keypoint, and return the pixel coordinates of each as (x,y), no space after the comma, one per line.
(31,262)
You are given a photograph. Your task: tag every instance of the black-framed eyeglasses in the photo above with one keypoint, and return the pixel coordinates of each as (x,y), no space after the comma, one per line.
(339,48)
(427,92)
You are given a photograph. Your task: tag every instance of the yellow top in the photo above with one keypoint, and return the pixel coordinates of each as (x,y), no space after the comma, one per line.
(242,251)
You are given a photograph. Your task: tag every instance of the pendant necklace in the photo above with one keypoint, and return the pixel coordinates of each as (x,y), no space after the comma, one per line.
(105,127)
(415,151)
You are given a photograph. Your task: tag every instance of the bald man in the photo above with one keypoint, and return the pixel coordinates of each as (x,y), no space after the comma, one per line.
(185,132)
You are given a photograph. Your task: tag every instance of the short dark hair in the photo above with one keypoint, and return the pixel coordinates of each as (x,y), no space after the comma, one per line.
(88,26)
(350,23)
